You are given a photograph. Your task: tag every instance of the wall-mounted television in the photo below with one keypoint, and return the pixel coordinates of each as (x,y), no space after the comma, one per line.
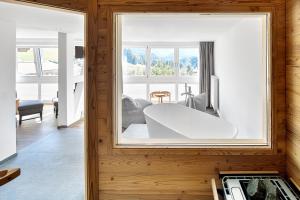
(79,52)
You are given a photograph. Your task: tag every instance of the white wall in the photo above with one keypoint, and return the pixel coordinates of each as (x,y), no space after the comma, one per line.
(70,103)
(7,89)
(178,27)
(175,27)
(241,71)
(29,17)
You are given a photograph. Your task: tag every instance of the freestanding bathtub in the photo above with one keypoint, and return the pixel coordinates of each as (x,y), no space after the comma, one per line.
(174,121)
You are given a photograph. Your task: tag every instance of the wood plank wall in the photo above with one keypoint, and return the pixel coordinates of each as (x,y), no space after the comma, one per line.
(144,174)
(165,174)
(293,88)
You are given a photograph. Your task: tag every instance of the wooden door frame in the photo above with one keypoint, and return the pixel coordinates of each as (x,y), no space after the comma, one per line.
(89,9)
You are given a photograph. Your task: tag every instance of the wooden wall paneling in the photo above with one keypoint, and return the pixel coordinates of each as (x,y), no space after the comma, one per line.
(91,136)
(218,4)
(278,82)
(74,5)
(143,174)
(293,88)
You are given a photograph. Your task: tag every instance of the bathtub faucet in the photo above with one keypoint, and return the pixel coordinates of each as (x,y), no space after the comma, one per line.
(189,97)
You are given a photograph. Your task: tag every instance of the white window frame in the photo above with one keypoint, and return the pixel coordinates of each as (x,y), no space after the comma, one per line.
(35,61)
(38,78)
(148,79)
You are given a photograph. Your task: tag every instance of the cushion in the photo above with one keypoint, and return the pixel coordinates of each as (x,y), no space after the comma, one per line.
(142,103)
(129,104)
(132,111)
(200,102)
(30,104)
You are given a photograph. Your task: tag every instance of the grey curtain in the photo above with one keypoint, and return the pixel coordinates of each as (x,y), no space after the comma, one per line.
(206,68)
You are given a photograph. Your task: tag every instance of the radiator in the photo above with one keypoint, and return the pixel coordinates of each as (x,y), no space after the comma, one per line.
(214,95)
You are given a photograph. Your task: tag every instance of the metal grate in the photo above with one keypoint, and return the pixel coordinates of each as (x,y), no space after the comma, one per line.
(286,192)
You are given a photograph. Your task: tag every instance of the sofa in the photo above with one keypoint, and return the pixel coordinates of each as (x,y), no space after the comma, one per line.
(132,111)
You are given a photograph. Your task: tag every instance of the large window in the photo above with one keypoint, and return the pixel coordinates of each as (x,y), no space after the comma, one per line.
(135,90)
(162,62)
(26,62)
(37,73)
(188,61)
(134,61)
(49,91)
(49,61)
(37,61)
(148,67)
(27,91)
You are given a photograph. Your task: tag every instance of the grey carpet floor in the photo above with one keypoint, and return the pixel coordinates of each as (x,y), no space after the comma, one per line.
(51,169)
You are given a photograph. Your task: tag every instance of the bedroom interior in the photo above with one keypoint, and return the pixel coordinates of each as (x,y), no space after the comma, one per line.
(115,172)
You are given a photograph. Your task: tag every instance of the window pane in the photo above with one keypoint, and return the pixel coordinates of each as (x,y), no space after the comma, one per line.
(135,90)
(49,91)
(181,89)
(25,55)
(188,61)
(163,87)
(162,62)
(26,69)
(25,62)
(27,91)
(49,59)
(134,61)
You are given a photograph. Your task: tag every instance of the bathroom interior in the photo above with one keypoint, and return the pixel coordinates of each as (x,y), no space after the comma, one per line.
(201,79)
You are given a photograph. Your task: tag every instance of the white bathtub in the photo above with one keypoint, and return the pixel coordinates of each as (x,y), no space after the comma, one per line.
(176,121)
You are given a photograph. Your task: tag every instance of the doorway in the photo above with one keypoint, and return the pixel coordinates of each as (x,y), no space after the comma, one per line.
(46,95)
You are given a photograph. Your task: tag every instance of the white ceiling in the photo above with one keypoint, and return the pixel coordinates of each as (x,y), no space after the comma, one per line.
(40,22)
(178,27)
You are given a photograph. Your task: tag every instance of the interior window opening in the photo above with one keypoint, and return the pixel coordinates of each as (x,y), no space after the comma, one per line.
(199,80)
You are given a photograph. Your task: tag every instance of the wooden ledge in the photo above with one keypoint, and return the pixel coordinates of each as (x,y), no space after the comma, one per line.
(296,184)
(214,189)
(8,175)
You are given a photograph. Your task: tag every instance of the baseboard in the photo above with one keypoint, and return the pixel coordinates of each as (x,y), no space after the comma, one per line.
(76,122)
(72,124)
(63,126)
(8,158)
(218,111)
